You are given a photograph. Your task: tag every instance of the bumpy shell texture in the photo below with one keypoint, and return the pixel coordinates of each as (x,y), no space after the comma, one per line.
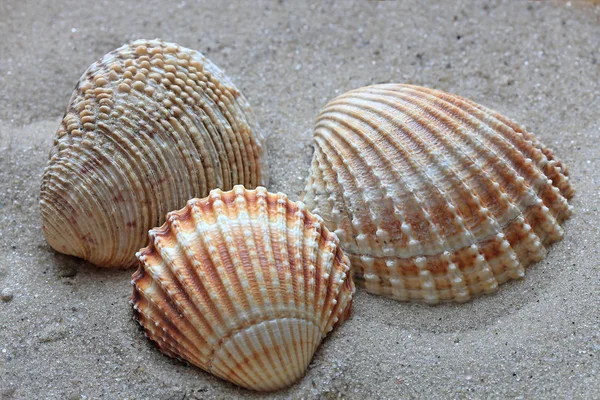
(433,196)
(149,126)
(243,284)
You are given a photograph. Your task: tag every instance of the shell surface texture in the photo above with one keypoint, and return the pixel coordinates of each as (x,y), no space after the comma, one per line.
(149,126)
(243,284)
(433,197)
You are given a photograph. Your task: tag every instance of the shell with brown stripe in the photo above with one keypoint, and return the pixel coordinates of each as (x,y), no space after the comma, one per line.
(243,284)
(433,196)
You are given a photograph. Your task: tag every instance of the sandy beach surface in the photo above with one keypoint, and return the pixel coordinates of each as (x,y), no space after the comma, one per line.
(66,328)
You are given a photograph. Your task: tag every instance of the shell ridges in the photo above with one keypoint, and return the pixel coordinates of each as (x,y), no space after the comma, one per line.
(149,126)
(243,284)
(433,196)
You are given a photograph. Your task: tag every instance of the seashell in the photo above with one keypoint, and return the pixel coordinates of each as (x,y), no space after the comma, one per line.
(243,284)
(432,196)
(149,126)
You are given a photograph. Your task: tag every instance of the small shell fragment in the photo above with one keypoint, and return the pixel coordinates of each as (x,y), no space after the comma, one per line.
(433,196)
(243,284)
(149,126)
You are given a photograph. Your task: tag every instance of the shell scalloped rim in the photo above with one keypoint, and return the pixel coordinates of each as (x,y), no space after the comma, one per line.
(149,126)
(243,284)
(433,196)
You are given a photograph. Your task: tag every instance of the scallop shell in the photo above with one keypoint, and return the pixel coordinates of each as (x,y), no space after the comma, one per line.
(243,284)
(149,126)
(433,196)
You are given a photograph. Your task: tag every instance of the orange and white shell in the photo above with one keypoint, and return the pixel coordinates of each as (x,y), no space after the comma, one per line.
(243,284)
(432,196)
(149,126)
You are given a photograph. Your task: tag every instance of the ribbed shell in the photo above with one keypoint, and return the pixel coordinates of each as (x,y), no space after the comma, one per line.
(433,197)
(149,126)
(243,284)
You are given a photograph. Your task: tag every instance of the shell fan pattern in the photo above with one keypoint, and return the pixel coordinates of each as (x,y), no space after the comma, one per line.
(243,284)
(433,196)
(149,126)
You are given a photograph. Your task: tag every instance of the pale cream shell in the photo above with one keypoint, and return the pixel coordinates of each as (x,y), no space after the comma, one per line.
(149,126)
(433,196)
(243,284)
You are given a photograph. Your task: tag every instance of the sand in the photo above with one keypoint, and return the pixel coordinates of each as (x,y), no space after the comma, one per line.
(65,326)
